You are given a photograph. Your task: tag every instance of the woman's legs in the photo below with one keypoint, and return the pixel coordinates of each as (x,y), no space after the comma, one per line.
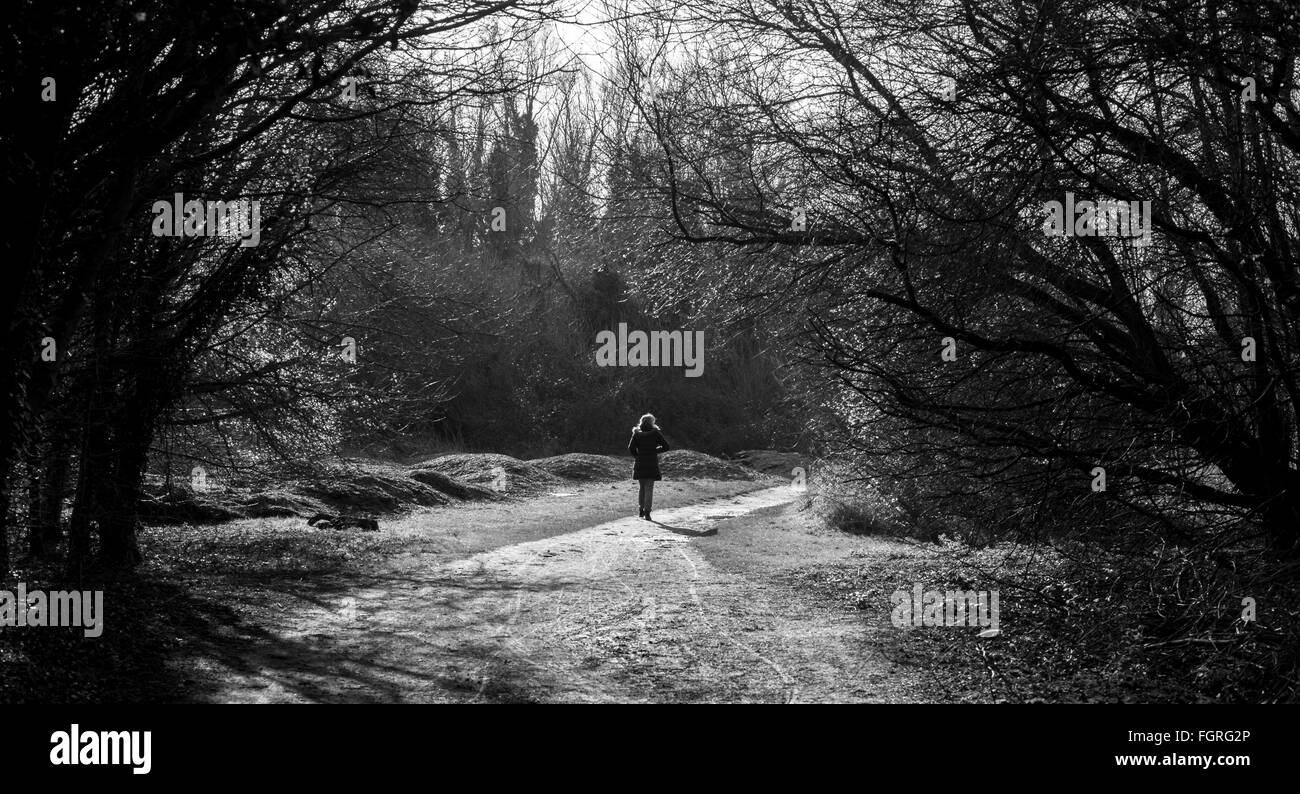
(641,497)
(648,487)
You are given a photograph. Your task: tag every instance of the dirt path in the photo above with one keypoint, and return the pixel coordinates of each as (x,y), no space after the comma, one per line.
(687,608)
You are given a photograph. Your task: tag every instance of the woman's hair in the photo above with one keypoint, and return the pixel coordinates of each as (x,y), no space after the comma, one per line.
(647,423)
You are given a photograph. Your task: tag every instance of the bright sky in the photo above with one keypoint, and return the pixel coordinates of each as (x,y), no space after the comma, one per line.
(586,37)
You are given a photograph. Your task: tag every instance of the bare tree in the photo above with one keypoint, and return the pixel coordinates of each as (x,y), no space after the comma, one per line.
(118,109)
(896,163)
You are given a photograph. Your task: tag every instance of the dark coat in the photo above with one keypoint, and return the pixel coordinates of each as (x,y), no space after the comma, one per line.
(647,445)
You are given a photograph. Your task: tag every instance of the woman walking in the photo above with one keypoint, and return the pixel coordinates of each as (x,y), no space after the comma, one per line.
(647,442)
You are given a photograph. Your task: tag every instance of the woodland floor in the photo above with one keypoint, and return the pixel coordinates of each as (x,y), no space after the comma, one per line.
(736,592)
(559,598)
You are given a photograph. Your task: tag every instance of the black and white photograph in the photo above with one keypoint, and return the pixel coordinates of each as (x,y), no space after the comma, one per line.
(490,352)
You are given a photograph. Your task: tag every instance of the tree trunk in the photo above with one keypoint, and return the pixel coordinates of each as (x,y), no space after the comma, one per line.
(4,532)
(47,503)
(134,423)
(83,506)
(1281,517)
(119,516)
(35,547)
(12,431)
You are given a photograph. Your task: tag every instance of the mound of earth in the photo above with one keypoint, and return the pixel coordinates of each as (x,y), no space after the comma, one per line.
(452,486)
(180,505)
(500,473)
(359,488)
(366,492)
(769,461)
(689,464)
(367,488)
(278,504)
(586,467)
